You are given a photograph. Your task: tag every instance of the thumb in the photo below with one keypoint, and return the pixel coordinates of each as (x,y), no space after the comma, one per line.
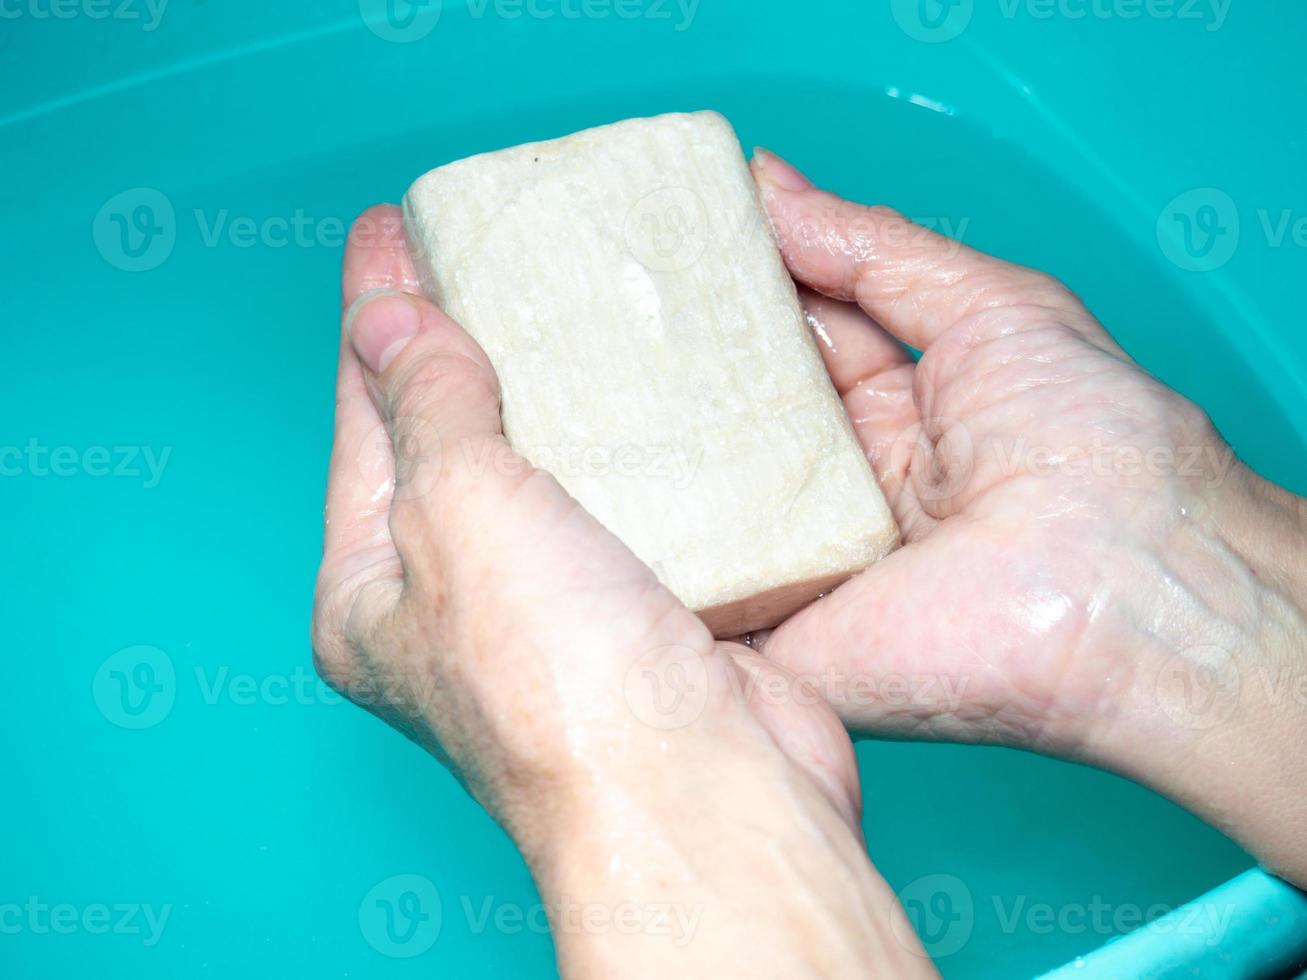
(432,385)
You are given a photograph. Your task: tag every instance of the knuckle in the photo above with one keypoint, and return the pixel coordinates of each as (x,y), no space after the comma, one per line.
(348,617)
(888,231)
(1044,289)
(334,658)
(377,225)
(440,376)
(1188,421)
(411,526)
(883,213)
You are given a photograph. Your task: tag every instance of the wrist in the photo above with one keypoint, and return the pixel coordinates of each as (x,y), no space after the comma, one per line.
(1220,703)
(1266,526)
(708,851)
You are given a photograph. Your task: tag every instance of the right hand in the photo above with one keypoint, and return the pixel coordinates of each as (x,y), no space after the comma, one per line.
(1087,571)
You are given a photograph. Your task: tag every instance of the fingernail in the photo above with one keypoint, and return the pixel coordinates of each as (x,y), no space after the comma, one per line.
(380,323)
(780,173)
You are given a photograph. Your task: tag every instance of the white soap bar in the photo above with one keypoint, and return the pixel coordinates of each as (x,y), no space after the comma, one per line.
(654,357)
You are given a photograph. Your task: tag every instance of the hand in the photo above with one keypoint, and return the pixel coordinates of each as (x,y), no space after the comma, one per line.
(1086,570)
(465,598)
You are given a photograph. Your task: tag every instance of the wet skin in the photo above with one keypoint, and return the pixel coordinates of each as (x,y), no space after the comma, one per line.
(1070,609)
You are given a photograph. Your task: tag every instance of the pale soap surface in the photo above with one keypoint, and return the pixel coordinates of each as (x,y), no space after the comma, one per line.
(653,356)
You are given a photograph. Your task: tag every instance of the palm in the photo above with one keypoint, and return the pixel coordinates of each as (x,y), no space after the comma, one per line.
(1036,474)
(1005,465)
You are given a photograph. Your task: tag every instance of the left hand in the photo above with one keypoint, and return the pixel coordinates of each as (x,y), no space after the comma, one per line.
(466,599)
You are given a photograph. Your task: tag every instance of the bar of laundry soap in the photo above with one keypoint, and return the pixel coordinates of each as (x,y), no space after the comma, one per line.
(653,356)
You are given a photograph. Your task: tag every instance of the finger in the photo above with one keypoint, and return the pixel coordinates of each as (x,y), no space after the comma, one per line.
(377,255)
(855,347)
(435,389)
(873,374)
(916,283)
(361,475)
(357,546)
(421,365)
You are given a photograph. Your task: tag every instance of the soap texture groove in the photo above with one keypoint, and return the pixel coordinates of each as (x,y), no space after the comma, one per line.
(654,357)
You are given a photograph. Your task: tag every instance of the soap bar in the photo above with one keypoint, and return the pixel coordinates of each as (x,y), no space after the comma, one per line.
(654,357)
